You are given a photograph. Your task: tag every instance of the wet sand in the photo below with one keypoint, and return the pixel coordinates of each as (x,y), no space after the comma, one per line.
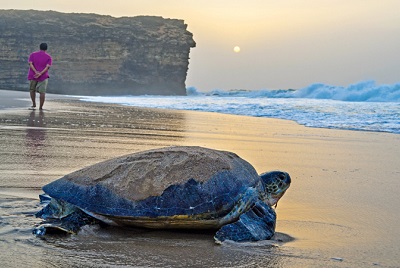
(342,209)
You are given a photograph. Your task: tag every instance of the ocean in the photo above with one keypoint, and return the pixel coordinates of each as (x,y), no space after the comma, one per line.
(364,106)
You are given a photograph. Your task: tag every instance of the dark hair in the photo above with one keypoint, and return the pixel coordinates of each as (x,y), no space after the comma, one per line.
(43,46)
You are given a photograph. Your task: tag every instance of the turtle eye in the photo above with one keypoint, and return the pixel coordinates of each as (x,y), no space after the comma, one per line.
(281,176)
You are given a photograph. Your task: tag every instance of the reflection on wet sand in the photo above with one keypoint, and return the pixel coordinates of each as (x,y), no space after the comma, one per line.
(35,136)
(40,146)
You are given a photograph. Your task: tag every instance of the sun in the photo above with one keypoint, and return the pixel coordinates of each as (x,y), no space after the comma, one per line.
(236,49)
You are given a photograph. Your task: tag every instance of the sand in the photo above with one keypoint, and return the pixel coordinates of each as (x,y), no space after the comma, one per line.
(342,208)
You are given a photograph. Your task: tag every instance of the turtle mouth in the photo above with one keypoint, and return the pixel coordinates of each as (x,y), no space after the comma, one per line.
(282,190)
(276,197)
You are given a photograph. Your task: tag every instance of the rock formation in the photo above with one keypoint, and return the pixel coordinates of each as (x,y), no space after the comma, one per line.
(95,54)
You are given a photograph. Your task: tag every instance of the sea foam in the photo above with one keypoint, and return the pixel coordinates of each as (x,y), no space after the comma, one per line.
(362,91)
(363,106)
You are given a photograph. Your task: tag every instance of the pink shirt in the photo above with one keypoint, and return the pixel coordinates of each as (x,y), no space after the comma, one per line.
(40,59)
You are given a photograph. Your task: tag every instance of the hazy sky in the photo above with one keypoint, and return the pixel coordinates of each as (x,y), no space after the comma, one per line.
(284,43)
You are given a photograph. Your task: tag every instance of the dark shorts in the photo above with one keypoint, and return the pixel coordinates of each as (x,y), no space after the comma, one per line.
(38,86)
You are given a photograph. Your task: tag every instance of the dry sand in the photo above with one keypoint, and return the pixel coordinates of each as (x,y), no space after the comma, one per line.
(343,207)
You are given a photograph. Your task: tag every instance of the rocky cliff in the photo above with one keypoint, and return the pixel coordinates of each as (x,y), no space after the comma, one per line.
(96,55)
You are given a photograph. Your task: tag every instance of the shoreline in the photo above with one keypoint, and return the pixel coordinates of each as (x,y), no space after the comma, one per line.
(17,99)
(13,99)
(345,183)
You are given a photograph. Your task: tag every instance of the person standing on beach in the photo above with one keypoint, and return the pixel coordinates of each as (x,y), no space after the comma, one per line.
(38,75)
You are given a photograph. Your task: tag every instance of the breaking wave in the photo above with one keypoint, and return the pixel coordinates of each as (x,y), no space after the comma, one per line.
(366,91)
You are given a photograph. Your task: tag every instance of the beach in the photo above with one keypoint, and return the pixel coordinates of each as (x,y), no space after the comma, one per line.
(342,209)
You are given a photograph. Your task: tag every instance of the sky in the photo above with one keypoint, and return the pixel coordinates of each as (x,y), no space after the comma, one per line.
(283,43)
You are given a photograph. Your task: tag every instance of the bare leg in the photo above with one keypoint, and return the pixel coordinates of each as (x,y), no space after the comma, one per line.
(33,98)
(42,98)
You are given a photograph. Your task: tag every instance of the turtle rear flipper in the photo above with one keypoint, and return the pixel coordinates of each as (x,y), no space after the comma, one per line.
(70,224)
(256,224)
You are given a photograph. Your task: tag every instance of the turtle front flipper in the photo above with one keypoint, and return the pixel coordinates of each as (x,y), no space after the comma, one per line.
(258,223)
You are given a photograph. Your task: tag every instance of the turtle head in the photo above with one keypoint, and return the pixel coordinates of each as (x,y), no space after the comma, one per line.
(275,185)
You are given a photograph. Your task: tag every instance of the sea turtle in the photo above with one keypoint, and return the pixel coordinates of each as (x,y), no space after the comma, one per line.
(174,187)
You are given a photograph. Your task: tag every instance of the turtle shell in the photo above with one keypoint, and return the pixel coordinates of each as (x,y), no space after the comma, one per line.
(188,184)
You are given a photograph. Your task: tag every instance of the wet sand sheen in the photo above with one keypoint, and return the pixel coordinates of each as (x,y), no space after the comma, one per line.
(341,208)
